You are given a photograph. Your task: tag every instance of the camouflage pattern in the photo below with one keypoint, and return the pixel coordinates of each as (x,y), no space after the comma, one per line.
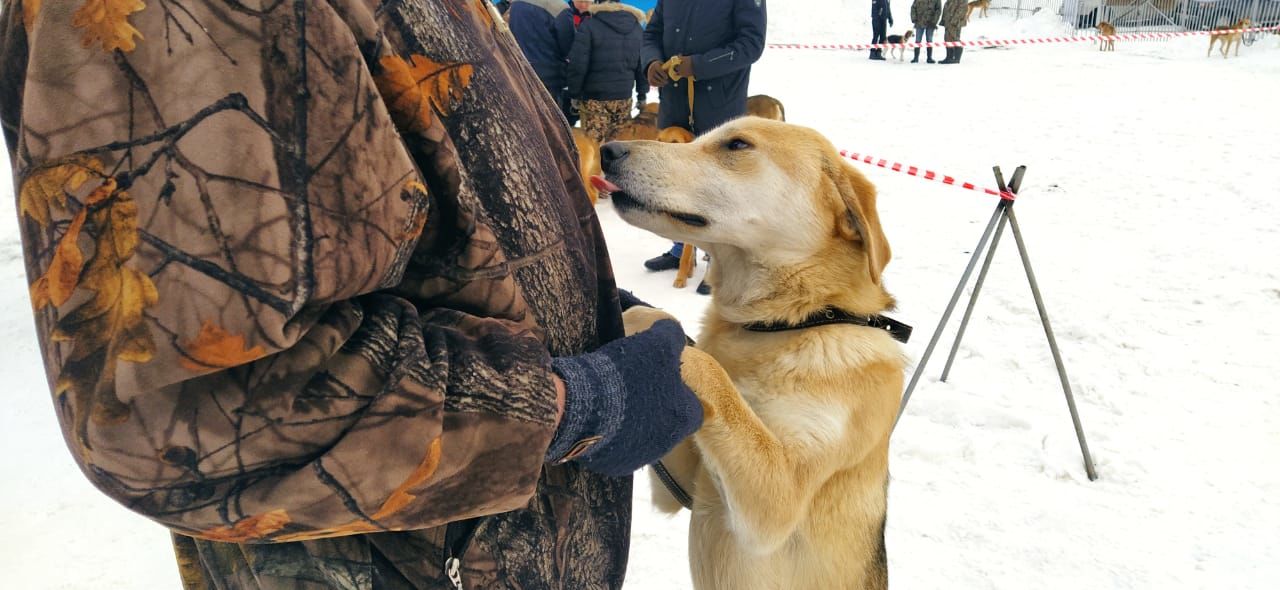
(602,119)
(925,14)
(298,270)
(955,15)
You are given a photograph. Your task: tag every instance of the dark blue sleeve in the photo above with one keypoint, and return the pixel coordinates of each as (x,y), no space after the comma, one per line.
(579,60)
(563,28)
(651,51)
(743,50)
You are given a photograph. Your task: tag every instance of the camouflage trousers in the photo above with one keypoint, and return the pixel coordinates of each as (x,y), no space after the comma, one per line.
(601,119)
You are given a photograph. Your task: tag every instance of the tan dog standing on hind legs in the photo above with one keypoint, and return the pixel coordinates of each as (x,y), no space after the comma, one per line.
(789,473)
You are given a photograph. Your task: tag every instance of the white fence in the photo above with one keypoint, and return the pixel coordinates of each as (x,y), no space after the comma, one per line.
(1169,15)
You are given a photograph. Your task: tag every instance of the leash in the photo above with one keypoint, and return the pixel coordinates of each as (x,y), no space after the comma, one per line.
(673,487)
(828,316)
(670,67)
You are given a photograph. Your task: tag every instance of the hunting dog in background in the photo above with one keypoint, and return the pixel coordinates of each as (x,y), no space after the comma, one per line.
(789,471)
(1106,29)
(588,160)
(688,254)
(981,6)
(1226,36)
(766,107)
(899,39)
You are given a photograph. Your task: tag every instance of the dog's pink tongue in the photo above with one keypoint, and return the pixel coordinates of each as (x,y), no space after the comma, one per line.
(604,185)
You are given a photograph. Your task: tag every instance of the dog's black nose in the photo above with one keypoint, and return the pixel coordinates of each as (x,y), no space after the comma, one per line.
(611,154)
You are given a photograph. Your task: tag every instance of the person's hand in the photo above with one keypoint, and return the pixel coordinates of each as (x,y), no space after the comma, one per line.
(657,75)
(625,404)
(684,69)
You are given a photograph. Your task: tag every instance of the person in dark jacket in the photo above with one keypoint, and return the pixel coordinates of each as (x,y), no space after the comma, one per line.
(925,15)
(955,15)
(604,66)
(581,12)
(544,31)
(717,41)
(345,338)
(881,20)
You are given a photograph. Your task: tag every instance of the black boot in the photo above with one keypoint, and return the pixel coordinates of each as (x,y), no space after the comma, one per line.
(664,261)
(916,59)
(928,52)
(950,59)
(877,55)
(704,288)
(959,52)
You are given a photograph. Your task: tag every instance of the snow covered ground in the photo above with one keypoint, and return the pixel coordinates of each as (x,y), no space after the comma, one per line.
(1150,208)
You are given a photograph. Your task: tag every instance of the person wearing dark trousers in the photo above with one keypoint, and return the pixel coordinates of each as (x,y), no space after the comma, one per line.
(954,15)
(881,20)
(544,31)
(717,41)
(925,15)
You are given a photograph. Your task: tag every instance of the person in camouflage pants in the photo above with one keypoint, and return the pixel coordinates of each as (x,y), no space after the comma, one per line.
(604,67)
(601,119)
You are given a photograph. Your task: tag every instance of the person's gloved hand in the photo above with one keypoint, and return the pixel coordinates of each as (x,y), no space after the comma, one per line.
(684,69)
(657,76)
(625,405)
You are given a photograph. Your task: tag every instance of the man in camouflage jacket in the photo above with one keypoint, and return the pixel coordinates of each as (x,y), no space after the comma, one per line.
(300,270)
(955,15)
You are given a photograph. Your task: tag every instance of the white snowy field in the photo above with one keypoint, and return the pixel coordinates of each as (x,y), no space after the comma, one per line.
(1150,211)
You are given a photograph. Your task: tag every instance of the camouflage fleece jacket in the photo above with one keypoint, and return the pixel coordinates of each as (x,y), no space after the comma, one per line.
(299,268)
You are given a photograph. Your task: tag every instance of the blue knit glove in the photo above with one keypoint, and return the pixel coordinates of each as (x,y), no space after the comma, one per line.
(625,405)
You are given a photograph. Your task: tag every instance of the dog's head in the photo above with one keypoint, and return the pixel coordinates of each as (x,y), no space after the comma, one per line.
(779,193)
(908,36)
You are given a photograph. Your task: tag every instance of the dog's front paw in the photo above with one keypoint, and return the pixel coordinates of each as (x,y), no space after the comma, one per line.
(708,380)
(640,318)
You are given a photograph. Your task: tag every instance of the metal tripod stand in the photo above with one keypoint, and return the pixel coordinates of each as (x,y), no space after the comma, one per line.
(1002,215)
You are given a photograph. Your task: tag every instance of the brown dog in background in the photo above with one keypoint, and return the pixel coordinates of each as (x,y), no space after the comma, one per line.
(1106,29)
(588,160)
(689,254)
(1227,38)
(979,5)
(766,107)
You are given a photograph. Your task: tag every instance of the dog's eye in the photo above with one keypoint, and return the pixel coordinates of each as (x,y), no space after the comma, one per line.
(736,144)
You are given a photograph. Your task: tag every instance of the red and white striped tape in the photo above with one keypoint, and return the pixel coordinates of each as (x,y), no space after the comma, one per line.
(1028,41)
(922,173)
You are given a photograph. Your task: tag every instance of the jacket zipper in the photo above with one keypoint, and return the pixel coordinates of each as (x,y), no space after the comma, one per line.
(722,55)
(457,538)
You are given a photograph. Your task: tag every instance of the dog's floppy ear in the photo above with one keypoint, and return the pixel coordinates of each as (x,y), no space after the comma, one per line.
(857,220)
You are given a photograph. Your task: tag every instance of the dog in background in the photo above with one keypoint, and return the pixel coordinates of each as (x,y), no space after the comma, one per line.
(789,473)
(689,254)
(766,107)
(1106,29)
(898,40)
(1227,36)
(981,6)
(588,160)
